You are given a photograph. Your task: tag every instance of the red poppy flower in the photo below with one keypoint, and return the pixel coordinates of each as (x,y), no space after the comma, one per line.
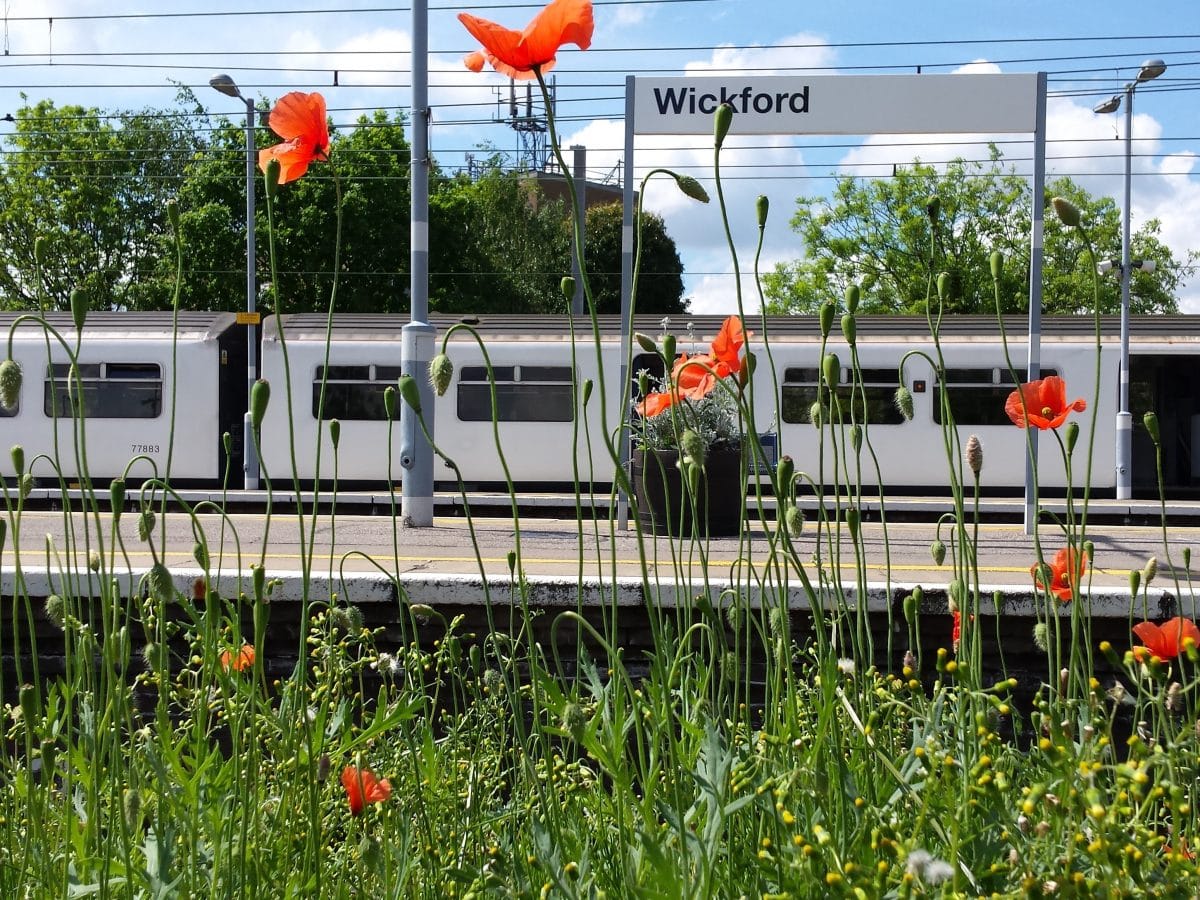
(1165,641)
(695,376)
(518,54)
(299,119)
(654,403)
(727,346)
(243,660)
(1045,404)
(1062,573)
(362,787)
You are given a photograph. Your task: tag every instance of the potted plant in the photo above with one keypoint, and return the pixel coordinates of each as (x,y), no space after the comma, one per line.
(687,467)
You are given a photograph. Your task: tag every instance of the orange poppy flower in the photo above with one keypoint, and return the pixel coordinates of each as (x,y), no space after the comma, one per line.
(1045,404)
(1165,641)
(1062,572)
(363,787)
(518,54)
(654,403)
(692,376)
(299,119)
(243,660)
(727,346)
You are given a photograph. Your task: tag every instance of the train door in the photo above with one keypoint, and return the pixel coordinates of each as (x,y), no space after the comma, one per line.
(1168,385)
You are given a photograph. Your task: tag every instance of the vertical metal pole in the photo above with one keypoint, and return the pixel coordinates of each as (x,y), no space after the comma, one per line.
(1036,233)
(624,384)
(580,234)
(417,337)
(249,456)
(1124,447)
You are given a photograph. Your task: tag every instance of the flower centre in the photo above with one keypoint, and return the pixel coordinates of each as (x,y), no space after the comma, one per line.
(1047,412)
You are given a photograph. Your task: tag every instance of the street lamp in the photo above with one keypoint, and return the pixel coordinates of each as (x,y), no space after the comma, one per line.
(1150,70)
(227,86)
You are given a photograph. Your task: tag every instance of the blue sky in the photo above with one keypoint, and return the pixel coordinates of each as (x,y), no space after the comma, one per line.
(104,54)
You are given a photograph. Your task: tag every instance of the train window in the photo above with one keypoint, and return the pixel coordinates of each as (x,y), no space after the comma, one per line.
(108,390)
(871,401)
(353,393)
(523,394)
(977,396)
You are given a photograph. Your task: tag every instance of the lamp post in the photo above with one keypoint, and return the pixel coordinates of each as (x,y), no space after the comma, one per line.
(227,86)
(1150,70)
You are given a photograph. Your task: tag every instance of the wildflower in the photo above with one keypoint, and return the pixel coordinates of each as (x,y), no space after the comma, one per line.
(846,667)
(243,660)
(363,787)
(1045,404)
(1060,576)
(299,119)
(1167,640)
(519,54)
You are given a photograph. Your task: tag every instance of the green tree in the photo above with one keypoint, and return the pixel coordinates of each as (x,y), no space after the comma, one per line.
(877,233)
(660,279)
(94,187)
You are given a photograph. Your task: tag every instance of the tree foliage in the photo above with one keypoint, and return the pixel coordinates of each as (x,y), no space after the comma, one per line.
(660,274)
(877,233)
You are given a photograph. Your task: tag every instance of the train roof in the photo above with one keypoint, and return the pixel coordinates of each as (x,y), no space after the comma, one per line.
(375,327)
(125,324)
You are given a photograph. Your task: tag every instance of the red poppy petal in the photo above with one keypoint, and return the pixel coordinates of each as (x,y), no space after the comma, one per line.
(1151,636)
(474,61)
(301,115)
(560,22)
(293,157)
(501,44)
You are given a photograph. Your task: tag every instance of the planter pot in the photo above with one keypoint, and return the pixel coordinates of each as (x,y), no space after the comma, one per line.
(664,508)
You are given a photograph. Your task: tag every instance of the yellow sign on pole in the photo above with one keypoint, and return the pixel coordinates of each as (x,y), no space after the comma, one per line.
(249,318)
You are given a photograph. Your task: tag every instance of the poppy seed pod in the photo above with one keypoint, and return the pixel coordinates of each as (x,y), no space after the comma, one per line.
(389,403)
(849,328)
(566,286)
(1150,420)
(831,368)
(409,392)
(853,296)
(272,176)
(10,383)
(1067,212)
(18,459)
(722,119)
(441,371)
(762,206)
(904,402)
(335,432)
(260,396)
(645,342)
(825,318)
(996,261)
(691,188)
(1072,436)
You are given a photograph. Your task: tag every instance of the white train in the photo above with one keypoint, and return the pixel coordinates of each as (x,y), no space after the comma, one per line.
(130,379)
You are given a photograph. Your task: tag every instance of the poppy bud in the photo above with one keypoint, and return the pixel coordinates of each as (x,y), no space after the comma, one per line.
(1067,212)
(3,533)
(18,459)
(335,431)
(692,473)
(512,563)
(258,582)
(574,721)
(645,342)
(785,471)
(831,368)
(56,610)
(260,396)
(816,413)
(475,657)
(944,285)
(825,317)
(912,605)
(25,487)
(409,393)
(145,525)
(10,383)
(1072,436)
(116,497)
(957,591)
(722,119)
(849,328)
(856,434)
(643,383)
(692,446)
(904,402)
(27,698)
(200,554)
(588,384)
(691,187)
(389,403)
(974,454)
(1150,570)
(996,260)
(173,214)
(938,551)
(1187,557)
(441,371)
(762,206)
(933,208)
(747,368)
(93,562)
(1110,653)
(567,286)
(162,587)
(40,246)
(793,517)
(131,808)
(853,295)
(853,520)
(668,348)
(272,178)
(1150,420)
(227,442)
